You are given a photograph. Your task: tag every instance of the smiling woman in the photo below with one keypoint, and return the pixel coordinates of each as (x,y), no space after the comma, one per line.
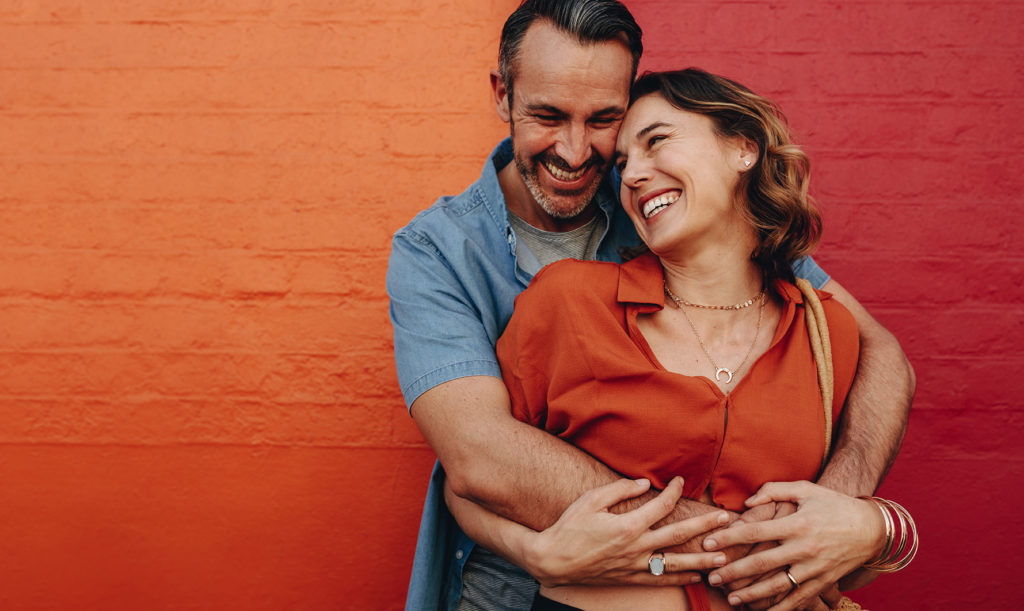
(704,344)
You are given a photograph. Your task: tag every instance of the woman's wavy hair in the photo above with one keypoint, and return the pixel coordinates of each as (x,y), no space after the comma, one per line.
(787,222)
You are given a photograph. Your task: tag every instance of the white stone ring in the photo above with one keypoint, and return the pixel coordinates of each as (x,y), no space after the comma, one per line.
(656,564)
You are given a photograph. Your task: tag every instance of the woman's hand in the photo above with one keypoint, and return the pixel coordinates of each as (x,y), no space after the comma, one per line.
(830,535)
(589,544)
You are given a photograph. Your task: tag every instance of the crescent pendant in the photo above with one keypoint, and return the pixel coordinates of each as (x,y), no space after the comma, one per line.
(726,371)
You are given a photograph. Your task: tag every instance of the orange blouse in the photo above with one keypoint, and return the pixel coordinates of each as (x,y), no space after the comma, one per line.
(576,365)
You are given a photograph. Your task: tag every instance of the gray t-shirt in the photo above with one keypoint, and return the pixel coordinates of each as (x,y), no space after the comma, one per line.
(551,246)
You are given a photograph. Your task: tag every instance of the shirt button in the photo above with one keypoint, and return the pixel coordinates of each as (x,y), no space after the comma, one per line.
(458,554)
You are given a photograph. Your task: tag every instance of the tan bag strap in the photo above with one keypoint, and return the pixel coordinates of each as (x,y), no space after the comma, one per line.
(821,348)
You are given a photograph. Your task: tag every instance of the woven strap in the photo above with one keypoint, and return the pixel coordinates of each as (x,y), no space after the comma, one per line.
(821,348)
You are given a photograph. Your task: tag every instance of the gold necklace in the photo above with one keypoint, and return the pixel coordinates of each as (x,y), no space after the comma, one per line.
(739,306)
(718,369)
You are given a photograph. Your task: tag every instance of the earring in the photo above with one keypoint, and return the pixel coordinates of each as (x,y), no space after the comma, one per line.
(747,163)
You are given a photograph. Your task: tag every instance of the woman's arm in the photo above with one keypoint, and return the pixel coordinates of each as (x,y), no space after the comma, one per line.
(591,545)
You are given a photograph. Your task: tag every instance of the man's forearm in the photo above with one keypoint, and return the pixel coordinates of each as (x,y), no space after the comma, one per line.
(509,467)
(875,416)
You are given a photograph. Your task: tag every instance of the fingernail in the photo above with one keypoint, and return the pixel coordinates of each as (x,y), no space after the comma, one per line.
(710,544)
(719,560)
(735,601)
(642,481)
(714,579)
(723,518)
(695,579)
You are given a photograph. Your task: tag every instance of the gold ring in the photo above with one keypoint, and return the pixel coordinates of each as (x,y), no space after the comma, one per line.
(793,581)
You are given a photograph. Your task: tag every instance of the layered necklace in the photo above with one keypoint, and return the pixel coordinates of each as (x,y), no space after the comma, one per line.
(719,370)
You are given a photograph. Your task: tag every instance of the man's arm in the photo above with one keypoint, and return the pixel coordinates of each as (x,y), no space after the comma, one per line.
(875,416)
(510,467)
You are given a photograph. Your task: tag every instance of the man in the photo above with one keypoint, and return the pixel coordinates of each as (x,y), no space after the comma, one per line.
(563,82)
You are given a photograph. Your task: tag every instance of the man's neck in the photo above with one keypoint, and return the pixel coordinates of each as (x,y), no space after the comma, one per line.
(521,202)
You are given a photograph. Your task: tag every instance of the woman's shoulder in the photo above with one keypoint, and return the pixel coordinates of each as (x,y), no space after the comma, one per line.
(572,278)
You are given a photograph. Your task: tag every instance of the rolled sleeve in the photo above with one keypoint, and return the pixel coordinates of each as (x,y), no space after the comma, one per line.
(808,269)
(439,332)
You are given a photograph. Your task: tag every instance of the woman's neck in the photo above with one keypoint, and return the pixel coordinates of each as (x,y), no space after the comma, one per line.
(716,276)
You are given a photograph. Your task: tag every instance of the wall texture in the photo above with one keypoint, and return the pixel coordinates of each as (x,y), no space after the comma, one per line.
(198,406)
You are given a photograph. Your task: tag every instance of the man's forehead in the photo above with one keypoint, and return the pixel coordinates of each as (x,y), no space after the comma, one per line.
(554,69)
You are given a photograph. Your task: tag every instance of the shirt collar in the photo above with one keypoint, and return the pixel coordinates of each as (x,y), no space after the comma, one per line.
(642,281)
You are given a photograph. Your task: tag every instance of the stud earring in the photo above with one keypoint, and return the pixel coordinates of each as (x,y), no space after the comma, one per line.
(747,163)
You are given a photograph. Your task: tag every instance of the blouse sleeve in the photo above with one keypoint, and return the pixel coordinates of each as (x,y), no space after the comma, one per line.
(525,348)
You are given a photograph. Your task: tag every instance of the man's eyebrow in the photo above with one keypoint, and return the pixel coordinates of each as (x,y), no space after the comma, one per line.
(545,108)
(611,110)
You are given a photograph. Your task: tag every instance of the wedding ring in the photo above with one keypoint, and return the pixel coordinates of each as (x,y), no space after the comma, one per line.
(656,564)
(795,583)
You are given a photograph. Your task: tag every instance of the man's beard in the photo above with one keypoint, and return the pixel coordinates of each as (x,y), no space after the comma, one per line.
(562,205)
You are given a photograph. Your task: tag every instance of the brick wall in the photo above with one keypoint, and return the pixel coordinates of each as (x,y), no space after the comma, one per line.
(198,407)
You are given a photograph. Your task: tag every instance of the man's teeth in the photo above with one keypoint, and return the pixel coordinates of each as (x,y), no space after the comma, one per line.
(561,174)
(662,201)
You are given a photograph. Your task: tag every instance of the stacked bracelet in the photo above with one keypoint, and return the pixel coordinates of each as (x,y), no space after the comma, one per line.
(899,530)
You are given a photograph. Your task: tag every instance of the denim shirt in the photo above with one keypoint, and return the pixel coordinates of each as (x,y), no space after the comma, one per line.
(453,276)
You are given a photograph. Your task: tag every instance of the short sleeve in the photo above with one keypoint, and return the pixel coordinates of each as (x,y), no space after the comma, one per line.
(523,365)
(808,269)
(438,331)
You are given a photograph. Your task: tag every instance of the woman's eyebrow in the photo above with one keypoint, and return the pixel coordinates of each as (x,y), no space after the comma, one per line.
(653,126)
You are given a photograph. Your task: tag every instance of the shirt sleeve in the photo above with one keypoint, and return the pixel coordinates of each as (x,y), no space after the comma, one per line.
(439,335)
(806,268)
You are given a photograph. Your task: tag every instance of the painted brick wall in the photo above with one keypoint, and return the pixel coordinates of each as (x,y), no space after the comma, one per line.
(198,406)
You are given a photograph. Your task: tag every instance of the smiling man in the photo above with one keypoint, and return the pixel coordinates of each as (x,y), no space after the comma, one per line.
(565,67)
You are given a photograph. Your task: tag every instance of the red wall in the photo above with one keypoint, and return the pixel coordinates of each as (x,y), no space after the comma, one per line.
(198,406)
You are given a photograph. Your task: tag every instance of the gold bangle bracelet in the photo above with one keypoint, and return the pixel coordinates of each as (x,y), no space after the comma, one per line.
(889,561)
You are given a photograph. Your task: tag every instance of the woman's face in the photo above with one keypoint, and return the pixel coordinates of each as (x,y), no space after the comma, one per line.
(679,177)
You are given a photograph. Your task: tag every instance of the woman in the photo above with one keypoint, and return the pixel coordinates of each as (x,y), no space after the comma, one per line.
(695,359)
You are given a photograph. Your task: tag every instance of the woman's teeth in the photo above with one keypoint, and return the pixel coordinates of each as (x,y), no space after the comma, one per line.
(662,201)
(561,174)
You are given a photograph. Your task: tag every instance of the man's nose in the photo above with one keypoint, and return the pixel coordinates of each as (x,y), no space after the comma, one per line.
(574,145)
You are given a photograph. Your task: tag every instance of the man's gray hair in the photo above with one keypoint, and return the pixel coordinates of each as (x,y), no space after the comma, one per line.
(589,21)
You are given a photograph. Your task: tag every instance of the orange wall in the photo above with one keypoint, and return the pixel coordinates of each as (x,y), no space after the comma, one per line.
(198,404)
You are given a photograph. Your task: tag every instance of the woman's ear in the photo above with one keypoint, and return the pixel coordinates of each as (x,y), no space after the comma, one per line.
(747,153)
(500,93)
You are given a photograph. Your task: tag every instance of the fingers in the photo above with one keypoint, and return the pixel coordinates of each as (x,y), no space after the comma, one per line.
(832,596)
(779,491)
(757,532)
(776,585)
(660,506)
(753,565)
(605,496)
(684,530)
(699,561)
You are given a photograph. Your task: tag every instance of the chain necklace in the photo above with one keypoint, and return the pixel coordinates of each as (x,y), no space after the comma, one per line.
(718,369)
(739,306)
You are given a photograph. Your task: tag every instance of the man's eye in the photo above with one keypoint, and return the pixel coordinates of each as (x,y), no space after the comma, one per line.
(547,118)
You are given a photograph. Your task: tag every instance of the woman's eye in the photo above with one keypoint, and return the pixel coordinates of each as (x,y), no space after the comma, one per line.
(654,140)
(620,166)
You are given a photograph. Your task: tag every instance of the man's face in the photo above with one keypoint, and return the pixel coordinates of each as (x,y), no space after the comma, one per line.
(568,102)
